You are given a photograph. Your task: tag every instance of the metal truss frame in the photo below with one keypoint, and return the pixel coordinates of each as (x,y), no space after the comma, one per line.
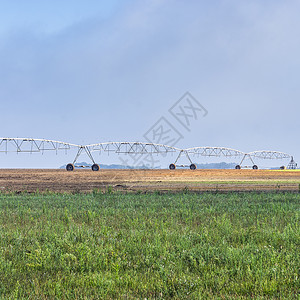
(263,154)
(31,145)
(206,151)
(266,154)
(132,148)
(214,151)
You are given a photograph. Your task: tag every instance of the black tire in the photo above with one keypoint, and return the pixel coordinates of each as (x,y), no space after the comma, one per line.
(95,167)
(172,167)
(238,167)
(282,168)
(255,167)
(193,167)
(70,167)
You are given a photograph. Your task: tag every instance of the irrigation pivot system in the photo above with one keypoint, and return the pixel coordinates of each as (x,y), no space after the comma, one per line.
(30,145)
(263,154)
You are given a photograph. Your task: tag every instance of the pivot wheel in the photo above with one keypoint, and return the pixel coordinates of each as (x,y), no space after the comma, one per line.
(255,167)
(95,167)
(193,167)
(238,167)
(70,167)
(172,167)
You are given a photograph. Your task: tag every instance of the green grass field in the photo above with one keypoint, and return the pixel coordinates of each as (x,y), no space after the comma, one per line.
(136,246)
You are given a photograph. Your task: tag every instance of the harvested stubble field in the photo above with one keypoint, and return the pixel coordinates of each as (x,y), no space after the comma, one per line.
(18,180)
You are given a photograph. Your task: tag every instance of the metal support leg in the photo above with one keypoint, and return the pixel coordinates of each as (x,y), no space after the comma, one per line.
(178,157)
(78,154)
(87,151)
(89,154)
(249,156)
(187,155)
(251,159)
(243,159)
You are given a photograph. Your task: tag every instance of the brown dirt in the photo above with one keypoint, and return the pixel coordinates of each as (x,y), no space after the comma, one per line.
(19,180)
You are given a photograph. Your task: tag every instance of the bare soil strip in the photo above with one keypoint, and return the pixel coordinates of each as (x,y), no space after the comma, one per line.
(31,180)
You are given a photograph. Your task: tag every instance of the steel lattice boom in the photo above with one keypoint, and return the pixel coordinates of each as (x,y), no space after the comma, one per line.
(32,145)
(132,148)
(214,151)
(265,154)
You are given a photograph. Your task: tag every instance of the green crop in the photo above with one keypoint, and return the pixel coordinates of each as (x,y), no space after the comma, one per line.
(112,245)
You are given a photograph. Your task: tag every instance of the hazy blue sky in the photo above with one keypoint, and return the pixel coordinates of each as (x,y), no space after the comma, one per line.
(92,71)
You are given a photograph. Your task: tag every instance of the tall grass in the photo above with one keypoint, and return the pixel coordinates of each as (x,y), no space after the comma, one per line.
(149,245)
